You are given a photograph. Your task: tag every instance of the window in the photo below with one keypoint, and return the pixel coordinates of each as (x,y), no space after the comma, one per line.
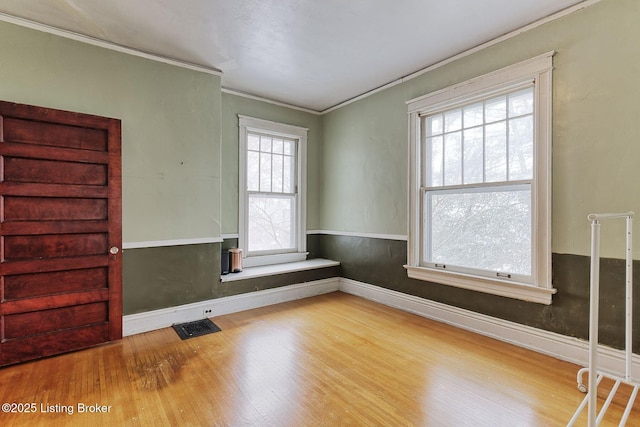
(272,207)
(480,171)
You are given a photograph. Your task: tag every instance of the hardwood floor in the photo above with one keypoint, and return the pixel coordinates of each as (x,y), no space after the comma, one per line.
(331,360)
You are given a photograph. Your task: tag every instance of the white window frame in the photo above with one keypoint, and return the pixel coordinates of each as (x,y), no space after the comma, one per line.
(251,124)
(539,71)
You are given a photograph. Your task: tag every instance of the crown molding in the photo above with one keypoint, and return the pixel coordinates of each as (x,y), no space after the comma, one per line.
(105,44)
(268,101)
(467,52)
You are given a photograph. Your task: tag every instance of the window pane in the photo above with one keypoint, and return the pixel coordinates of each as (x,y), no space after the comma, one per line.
(253,142)
(434,125)
(265,144)
(288,170)
(276,174)
(453,120)
(434,150)
(271,223)
(289,148)
(488,229)
(253,170)
(521,148)
(496,152)
(472,156)
(495,109)
(473,115)
(277,146)
(453,158)
(265,171)
(521,102)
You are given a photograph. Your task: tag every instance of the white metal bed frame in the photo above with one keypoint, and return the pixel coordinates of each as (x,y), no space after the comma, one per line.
(595,377)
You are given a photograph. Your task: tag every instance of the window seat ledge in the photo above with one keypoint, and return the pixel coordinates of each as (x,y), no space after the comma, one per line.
(272,270)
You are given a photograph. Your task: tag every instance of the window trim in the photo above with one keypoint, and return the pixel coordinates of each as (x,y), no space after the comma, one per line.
(538,70)
(251,124)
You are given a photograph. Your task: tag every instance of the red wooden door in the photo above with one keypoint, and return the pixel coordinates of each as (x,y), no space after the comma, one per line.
(60,232)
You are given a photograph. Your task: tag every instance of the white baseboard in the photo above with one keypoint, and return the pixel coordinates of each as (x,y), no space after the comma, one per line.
(562,347)
(151,320)
(550,343)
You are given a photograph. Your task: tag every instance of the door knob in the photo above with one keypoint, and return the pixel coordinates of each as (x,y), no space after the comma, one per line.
(114,250)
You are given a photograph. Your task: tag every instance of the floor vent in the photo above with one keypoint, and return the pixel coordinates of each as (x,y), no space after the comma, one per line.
(195,329)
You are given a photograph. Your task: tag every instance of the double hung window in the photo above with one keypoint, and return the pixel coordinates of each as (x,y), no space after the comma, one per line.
(480,175)
(272,211)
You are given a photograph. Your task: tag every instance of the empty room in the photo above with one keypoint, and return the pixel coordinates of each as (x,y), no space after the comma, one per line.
(319,213)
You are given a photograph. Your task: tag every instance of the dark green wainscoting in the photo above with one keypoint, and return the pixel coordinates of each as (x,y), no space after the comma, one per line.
(156,278)
(380,262)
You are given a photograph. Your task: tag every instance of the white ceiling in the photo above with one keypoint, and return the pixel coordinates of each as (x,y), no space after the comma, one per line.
(313,54)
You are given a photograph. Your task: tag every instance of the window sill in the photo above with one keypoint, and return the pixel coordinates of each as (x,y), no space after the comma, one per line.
(272,270)
(487,285)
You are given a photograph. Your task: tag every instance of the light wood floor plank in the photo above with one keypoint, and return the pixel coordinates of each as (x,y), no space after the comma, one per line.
(331,360)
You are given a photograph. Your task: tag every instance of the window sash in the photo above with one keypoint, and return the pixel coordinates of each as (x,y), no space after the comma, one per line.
(271,169)
(427,253)
(483,146)
(273,233)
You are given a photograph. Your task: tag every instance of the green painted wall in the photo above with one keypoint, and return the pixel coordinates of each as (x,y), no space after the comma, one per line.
(170,151)
(595,132)
(170,125)
(174,275)
(168,276)
(232,105)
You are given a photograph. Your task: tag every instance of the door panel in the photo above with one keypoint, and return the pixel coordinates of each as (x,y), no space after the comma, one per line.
(54,301)
(47,132)
(39,284)
(60,205)
(27,324)
(40,209)
(53,172)
(55,343)
(54,245)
